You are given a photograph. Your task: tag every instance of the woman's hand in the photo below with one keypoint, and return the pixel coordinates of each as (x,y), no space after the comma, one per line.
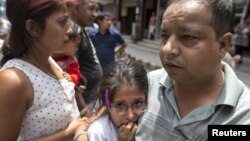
(80,133)
(74,125)
(91,118)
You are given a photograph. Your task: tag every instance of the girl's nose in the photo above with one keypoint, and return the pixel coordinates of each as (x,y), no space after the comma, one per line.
(131,114)
(69,31)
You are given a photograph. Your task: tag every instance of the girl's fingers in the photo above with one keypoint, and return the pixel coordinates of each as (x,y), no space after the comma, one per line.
(134,129)
(129,127)
(121,128)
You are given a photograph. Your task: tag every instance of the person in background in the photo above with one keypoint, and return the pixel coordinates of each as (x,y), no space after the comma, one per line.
(195,88)
(151,26)
(67,61)
(241,36)
(233,61)
(35,98)
(115,24)
(123,91)
(107,41)
(83,13)
(4,28)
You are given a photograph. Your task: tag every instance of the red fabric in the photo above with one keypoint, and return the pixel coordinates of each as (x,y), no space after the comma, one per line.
(74,71)
(71,66)
(37,5)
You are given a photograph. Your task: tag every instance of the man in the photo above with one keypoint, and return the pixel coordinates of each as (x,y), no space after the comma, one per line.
(195,88)
(107,40)
(84,12)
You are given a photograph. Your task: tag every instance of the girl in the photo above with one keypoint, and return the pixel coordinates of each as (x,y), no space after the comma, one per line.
(123,91)
(67,61)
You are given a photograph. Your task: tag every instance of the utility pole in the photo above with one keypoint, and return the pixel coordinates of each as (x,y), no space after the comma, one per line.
(139,19)
(117,9)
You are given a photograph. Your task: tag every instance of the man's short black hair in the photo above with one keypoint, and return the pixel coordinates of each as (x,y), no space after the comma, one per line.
(101,16)
(223,14)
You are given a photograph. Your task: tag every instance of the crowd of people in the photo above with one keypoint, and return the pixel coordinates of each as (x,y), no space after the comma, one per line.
(60,79)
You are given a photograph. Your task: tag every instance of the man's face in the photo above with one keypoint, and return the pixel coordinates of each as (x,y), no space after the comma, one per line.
(86,12)
(106,22)
(189,48)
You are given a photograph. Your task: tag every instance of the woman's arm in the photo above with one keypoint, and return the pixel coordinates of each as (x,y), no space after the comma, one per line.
(15,98)
(66,134)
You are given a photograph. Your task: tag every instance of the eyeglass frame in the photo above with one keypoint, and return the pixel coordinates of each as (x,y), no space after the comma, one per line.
(125,109)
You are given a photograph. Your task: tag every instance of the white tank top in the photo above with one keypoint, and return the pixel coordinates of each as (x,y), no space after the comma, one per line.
(52,110)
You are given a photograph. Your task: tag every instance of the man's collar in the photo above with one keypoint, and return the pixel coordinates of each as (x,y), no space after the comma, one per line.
(232,88)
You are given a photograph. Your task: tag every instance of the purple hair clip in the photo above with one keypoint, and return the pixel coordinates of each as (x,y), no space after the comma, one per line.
(107,103)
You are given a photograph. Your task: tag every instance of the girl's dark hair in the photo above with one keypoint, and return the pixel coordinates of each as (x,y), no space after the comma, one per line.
(18,12)
(130,72)
(76,30)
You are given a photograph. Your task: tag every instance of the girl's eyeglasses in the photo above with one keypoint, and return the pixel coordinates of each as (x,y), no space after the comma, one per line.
(122,109)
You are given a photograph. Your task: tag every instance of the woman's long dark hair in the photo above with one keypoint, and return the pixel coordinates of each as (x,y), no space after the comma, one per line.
(18,12)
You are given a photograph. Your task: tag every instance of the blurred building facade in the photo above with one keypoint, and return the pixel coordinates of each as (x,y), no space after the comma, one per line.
(133,15)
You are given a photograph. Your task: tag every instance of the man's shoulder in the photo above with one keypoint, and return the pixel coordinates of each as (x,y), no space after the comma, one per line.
(245,93)
(91,30)
(113,31)
(157,73)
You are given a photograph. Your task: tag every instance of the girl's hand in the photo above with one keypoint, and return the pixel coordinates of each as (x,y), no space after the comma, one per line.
(67,76)
(80,89)
(126,132)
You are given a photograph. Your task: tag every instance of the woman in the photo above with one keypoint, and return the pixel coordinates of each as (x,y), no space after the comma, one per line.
(35,98)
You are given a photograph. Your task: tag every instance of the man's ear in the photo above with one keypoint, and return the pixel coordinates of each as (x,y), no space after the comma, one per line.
(32,28)
(225,43)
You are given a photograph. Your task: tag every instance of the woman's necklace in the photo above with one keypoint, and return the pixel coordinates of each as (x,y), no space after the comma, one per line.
(41,67)
(46,71)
